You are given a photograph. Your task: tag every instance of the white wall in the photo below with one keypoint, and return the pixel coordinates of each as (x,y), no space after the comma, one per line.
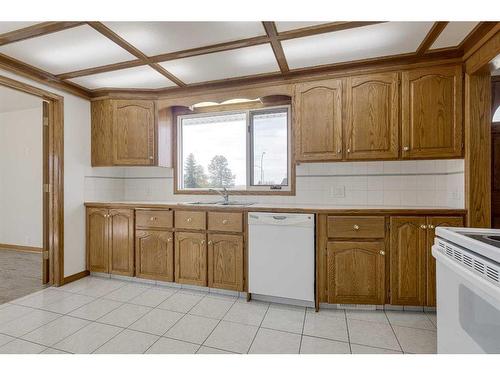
(422,183)
(76,163)
(21,177)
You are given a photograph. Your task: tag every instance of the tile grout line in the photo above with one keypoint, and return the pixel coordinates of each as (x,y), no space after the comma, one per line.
(259,327)
(302,332)
(394,332)
(347,328)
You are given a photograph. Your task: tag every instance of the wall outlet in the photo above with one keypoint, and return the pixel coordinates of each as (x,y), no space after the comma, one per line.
(337,191)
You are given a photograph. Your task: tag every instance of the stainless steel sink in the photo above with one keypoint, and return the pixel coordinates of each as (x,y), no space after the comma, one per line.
(219,203)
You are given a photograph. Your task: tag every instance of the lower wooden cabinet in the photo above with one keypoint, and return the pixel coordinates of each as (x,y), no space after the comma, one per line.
(191,258)
(154,254)
(356,272)
(110,241)
(225,261)
(408,241)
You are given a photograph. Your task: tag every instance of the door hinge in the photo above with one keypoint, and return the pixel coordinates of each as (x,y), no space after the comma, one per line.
(45,255)
(46,188)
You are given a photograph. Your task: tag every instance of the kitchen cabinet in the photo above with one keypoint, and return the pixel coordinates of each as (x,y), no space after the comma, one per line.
(110,241)
(318,113)
(191,258)
(356,272)
(372,119)
(432,112)
(432,223)
(130,133)
(225,261)
(407,275)
(154,251)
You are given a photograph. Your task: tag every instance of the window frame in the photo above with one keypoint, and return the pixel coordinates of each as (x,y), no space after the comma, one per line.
(288,189)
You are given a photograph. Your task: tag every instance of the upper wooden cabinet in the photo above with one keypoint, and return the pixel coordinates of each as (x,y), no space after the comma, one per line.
(432,112)
(371,126)
(130,132)
(318,113)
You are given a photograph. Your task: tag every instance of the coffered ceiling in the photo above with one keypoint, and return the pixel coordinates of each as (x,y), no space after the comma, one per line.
(91,57)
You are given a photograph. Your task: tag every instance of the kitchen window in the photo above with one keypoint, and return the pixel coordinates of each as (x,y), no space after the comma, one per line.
(247,150)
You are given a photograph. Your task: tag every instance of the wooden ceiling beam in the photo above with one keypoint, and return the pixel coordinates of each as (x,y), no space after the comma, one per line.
(101,69)
(33,31)
(110,34)
(431,37)
(473,41)
(323,28)
(31,72)
(272,33)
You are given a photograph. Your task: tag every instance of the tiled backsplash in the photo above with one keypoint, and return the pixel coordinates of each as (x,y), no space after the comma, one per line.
(389,183)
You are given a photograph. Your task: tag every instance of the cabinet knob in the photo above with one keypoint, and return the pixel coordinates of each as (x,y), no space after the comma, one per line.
(423,226)
(202,242)
(210,242)
(189,219)
(339,151)
(406,148)
(355,227)
(431,226)
(224,221)
(152,218)
(348,150)
(169,239)
(382,252)
(150,158)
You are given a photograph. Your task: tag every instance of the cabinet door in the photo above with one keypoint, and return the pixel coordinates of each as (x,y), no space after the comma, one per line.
(408,243)
(432,112)
(97,240)
(134,132)
(371,129)
(432,223)
(318,113)
(356,272)
(154,254)
(121,242)
(225,261)
(190,258)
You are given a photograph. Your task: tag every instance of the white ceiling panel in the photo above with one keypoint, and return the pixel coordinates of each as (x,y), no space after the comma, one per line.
(228,64)
(7,27)
(283,26)
(453,34)
(383,39)
(69,50)
(154,38)
(140,77)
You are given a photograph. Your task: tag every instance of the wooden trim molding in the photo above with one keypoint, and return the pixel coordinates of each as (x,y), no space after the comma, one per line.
(431,37)
(33,31)
(55,165)
(76,276)
(26,249)
(272,33)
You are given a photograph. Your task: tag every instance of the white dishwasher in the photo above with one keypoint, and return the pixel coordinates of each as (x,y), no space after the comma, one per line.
(281,255)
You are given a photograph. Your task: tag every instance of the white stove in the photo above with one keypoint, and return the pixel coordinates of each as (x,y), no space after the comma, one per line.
(468,290)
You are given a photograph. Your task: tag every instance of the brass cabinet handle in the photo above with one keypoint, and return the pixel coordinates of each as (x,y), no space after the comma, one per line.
(423,226)
(189,219)
(348,150)
(202,242)
(339,151)
(382,252)
(151,157)
(169,239)
(355,227)
(431,226)
(406,148)
(152,218)
(210,242)
(224,221)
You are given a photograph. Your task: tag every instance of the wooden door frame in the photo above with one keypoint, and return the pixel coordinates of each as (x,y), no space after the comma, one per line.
(54,169)
(477,123)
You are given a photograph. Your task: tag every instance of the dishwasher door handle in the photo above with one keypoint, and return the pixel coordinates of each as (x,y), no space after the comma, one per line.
(279,217)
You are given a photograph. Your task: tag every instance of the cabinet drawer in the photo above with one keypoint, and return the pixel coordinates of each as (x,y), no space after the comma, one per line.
(225,221)
(154,218)
(190,220)
(356,227)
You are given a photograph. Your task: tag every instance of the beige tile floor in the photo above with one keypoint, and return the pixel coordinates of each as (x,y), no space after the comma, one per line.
(14,283)
(97,315)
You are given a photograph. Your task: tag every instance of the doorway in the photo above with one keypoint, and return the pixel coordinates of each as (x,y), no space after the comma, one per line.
(48,241)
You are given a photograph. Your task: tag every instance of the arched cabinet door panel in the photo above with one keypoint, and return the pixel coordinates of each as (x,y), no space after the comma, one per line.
(372,117)
(121,242)
(191,258)
(154,252)
(356,272)
(97,240)
(318,120)
(432,112)
(225,261)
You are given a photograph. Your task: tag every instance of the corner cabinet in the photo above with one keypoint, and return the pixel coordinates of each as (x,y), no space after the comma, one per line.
(318,113)
(432,112)
(129,132)
(110,241)
(372,122)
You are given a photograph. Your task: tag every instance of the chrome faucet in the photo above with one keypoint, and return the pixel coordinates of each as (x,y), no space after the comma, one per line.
(223,193)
